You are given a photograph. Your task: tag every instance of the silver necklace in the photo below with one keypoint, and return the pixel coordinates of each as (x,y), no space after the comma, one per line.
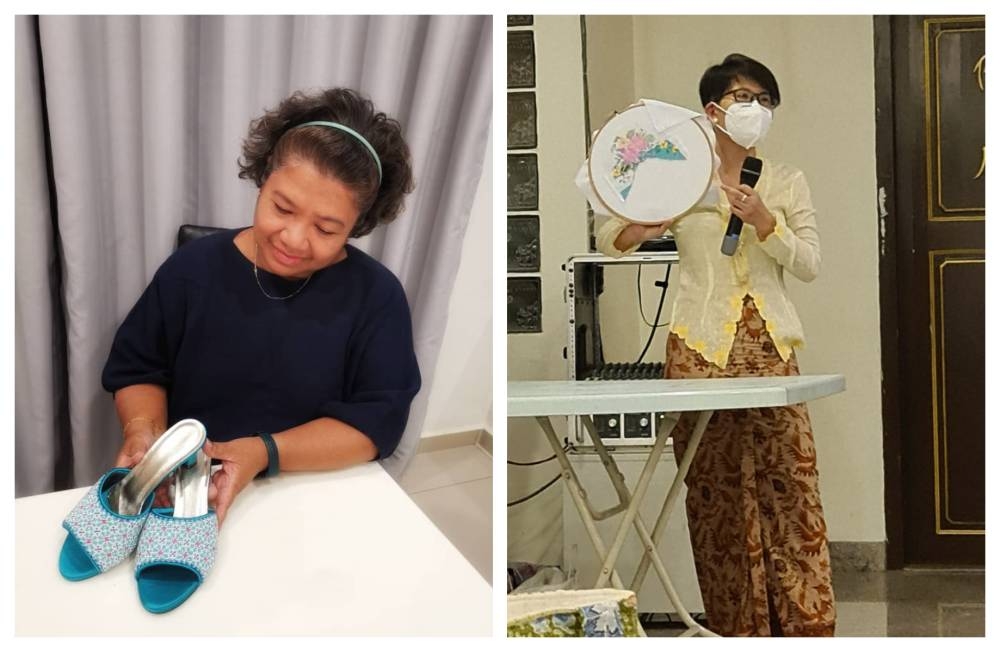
(256,275)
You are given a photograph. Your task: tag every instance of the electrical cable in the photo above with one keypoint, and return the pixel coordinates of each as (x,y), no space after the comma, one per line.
(535,492)
(547,459)
(638,289)
(656,320)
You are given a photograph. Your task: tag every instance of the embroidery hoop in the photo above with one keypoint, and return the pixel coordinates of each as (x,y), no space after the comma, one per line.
(679,183)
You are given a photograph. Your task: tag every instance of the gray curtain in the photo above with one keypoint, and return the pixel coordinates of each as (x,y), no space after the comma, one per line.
(128,127)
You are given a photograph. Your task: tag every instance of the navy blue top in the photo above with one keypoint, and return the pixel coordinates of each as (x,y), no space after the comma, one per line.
(242,363)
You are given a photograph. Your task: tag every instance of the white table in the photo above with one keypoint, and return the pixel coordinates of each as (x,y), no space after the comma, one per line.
(339,553)
(583,398)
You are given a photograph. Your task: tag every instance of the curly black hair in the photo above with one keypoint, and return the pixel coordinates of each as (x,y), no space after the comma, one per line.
(273,139)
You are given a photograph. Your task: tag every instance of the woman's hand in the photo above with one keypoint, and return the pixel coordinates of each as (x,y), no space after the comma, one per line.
(747,206)
(634,234)
(134,448)
(242,459)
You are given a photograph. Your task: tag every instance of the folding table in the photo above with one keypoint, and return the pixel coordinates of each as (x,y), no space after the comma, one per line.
(583,398)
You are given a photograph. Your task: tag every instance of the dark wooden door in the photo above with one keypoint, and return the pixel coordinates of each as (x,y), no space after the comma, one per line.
(935,204)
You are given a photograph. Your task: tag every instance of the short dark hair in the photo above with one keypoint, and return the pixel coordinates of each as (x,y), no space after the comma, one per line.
(272,140)
(718,78)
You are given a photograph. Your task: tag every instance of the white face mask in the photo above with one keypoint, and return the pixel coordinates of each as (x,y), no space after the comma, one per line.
(746,123)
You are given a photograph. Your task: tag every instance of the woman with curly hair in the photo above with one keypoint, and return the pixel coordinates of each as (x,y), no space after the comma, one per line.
(281,333)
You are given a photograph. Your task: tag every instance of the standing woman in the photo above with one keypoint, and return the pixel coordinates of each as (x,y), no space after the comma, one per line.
(282,331)
(753,503)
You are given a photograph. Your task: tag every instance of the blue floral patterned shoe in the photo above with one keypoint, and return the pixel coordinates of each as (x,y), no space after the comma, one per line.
(103,528)
(99,538)
(177,546)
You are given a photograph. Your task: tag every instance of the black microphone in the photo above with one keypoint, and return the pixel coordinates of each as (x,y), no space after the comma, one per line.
(749,174)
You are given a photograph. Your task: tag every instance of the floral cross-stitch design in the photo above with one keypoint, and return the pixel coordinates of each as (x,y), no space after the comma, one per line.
(604,618)
(631,150)
(187,541)
(107,537)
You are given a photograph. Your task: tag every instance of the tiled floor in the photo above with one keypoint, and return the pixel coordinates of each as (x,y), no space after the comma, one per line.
(454,487)
(902,603)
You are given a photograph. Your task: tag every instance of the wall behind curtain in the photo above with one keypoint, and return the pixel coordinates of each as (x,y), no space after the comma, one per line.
(145,116)
(463,389)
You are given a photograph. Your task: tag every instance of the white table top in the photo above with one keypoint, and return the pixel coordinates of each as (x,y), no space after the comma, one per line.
(345,552)
(577,397)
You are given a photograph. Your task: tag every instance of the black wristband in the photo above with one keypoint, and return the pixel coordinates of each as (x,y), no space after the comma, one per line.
(273,463)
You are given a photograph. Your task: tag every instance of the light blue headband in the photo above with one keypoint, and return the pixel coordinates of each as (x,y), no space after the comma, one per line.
(348,130)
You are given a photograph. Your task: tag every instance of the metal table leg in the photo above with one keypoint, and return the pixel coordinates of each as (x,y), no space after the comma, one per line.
(633,507)
(650,554)
(578,495)
(631,504)
(649,545)
(694,629)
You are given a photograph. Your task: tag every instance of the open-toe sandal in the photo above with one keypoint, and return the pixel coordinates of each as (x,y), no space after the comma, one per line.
(103,528)
(177,546)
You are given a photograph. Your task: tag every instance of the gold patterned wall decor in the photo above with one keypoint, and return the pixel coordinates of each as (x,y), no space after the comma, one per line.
(955,118)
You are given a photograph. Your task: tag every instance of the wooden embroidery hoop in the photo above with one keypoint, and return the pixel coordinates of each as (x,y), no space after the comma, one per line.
(695,138)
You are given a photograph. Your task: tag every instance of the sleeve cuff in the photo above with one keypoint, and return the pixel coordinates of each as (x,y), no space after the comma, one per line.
(607,236)
(114,383)
(776,243)
(381,421)
(631,250)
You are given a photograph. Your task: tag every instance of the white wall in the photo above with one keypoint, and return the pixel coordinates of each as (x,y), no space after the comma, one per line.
(610,71)
(829,135)
(462,394)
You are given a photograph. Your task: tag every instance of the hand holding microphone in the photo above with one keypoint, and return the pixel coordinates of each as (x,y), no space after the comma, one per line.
(747,207)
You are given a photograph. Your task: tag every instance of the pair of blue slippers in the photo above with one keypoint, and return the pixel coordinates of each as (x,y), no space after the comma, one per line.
(175,547)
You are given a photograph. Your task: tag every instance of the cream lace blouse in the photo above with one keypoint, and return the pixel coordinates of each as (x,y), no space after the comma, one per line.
(711,286)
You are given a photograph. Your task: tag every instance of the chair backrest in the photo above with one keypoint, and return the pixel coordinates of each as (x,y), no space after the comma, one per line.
(189,232)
